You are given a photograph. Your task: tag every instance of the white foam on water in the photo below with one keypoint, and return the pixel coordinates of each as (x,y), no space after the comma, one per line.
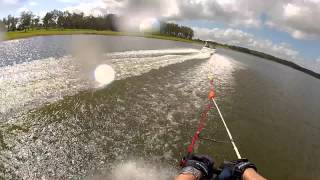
(35,83)
(58,141)
(222,67)
(152,53)
(138,170)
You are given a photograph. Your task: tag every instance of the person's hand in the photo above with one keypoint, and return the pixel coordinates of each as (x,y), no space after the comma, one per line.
(202,163)
(234,169)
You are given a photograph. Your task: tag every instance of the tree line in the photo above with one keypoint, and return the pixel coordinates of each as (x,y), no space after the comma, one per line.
(176,30)
(66,20)
(61,20)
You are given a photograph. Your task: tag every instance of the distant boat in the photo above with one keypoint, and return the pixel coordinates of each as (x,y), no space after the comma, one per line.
(207,48)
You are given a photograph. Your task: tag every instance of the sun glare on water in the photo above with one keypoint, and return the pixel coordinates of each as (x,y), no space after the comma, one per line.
(104,74)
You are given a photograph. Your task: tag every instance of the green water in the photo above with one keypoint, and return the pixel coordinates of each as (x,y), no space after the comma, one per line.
(271,110)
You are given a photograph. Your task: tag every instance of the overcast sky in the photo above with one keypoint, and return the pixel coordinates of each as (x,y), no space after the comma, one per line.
(285,28)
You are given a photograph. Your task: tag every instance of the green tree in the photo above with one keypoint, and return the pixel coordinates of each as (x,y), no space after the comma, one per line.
(173,29)
(25,20)
(11,23)
(2,26)
(5,23)
(47,20)
(77,20)
(35,21)
(61,20)
(64,20)
(55,18)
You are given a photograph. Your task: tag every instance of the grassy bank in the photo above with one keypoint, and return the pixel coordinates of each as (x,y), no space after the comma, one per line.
(50,32)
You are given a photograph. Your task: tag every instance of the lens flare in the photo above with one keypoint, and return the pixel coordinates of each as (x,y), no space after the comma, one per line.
(1,31)
(149,25)
(104,74)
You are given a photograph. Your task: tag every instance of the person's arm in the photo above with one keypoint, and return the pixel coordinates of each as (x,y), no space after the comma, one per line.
(239,169)
(196,167)
(193,171)
(251,174)
(186,177)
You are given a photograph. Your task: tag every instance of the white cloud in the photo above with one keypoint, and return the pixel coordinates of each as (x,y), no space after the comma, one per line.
(9,4)
(298,18)
(227,11)
(145,8)
(68,1)
(15,7)
(94,7)
(293,16)
(33,3)
(315,66)
(291,10)
(41,14)
(241,38)
(23,9)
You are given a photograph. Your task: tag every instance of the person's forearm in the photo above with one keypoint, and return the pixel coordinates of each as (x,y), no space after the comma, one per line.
(185,177)
(251,174)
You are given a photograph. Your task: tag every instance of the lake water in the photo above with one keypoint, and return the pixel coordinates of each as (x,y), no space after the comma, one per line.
(57,123)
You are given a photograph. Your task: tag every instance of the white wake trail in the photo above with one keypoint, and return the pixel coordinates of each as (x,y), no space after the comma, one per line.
(32,84)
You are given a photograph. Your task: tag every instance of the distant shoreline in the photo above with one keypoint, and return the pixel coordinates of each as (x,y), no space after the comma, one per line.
(274,59)
(50,32)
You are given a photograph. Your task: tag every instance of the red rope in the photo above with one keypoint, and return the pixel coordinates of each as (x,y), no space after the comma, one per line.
(203,120)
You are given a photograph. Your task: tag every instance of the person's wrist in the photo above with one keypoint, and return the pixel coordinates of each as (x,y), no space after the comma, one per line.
(241,166)
(200,166)
(192,171)
(185,177)
(248,173)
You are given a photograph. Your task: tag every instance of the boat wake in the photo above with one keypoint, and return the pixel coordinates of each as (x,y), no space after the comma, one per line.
(113,133)
(32,84)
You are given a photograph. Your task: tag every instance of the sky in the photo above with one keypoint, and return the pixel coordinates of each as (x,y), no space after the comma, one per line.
(288,29)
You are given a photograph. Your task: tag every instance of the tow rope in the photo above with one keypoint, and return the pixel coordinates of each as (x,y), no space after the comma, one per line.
(203,120)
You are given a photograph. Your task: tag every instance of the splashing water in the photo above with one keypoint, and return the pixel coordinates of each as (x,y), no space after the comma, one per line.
(32,84)
(90,133)
(138,170)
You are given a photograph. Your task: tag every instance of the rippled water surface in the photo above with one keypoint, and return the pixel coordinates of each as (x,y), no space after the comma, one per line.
(57,123)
